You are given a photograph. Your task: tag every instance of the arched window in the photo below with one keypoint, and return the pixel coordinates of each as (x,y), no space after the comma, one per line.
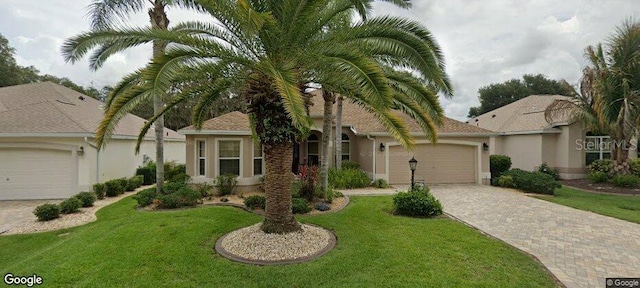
(312,150)
(345,147)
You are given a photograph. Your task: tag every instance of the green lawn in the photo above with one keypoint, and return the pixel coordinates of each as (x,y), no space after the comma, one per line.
(128,248)
(623,207)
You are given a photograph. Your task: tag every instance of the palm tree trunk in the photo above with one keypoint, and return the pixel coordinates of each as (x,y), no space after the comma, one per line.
(278,215)
(329,98)
(338,145)
(159,20)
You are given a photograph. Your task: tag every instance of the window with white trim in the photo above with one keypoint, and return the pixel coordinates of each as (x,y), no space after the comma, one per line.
(257,159)
(312,150)
(345,147)
(201,152)
(229,157)
(597,148)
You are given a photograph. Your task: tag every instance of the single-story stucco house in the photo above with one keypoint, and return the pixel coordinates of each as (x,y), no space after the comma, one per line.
(527,137)
(47,143)
(225,145)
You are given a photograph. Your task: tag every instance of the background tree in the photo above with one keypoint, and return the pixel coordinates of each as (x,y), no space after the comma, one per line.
(271,51)
(497,95)
(610,93)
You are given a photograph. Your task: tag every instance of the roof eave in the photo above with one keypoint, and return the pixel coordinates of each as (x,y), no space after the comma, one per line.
(77,135)
(214,132)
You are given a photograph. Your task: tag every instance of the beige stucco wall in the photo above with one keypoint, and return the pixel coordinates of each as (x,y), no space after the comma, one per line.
(117,159)
(524,150)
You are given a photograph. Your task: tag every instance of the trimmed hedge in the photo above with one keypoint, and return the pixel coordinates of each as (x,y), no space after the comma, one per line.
(226,184)
(87,198)
(598,177)
(418,202)
(46,212)
(71,205)
(544,168)
(255,201)
(100,190)
(134,182)
(380,183)
(145,197)
(183,197)
(350,165)
(533,182)
(148,174)
(604,165)
(114,187)
(498,164)
(300,206)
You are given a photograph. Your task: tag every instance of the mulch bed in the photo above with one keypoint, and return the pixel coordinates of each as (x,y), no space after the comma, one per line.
(585,184)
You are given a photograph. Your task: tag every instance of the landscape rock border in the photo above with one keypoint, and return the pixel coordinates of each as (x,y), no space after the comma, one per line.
(332,242)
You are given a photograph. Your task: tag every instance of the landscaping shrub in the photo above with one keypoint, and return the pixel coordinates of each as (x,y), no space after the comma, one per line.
(348,178)
(71,205)
(226,184)
(100,190)
(634,166)
(322,206)
(296,185)
(544,168)
(183,197)
(337,194)
(350,165)
(175,172)
(134,182)
(145,197)
(598,177)
(418,202)
(148,172)
(204,189)
(534,182)
(498,164)
(255,201)
(380,183)
(604,165)
(114,187)
(506,181)
(87,198)
(299,206)
(625,180)
(172,187)
(308,181)
(46,212)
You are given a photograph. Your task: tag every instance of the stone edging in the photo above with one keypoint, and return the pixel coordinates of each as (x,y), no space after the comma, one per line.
(226,254)
(598,192)
(261,212)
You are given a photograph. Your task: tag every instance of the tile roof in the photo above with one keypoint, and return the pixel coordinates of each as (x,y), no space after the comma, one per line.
(352,115)
(526,114)
(51,108)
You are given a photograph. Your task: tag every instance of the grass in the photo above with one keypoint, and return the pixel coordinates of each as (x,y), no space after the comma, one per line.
(625,207)
(131,248)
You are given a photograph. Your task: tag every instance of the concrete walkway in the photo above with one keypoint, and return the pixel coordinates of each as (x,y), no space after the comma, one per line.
(581,248)
(16,213)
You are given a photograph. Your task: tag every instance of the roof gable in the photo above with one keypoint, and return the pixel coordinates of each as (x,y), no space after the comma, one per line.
(51,108)
(526,114)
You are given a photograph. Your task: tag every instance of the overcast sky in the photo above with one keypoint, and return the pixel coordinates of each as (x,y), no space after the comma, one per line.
(484,42)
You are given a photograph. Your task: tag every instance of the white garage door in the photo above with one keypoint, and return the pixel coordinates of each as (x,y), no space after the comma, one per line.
(35,174)
(439,163)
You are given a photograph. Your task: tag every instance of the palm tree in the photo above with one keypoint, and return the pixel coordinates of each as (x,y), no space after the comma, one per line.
(105,14)
(610,93)
(271,51)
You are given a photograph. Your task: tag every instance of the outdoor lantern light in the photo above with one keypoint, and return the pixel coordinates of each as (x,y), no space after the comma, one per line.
(485,147)
(413,163)
(81,151)
(381,147)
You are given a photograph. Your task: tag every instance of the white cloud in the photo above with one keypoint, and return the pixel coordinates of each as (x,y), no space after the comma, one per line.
(484,42)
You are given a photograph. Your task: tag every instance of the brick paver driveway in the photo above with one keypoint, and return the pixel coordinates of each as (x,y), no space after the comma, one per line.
(13,213)
(581,248)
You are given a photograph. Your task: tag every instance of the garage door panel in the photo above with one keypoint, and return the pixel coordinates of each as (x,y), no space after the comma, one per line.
(35,174)
(439,163)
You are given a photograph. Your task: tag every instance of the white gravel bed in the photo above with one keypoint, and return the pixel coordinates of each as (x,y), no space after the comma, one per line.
(84,216)
(253,244)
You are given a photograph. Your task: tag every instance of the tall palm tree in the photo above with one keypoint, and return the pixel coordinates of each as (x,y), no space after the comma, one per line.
(106,14)
(610,93)
(271,50)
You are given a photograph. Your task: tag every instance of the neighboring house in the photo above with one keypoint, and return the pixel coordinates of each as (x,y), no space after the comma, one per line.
(530,140)
(47,143)
(225,145)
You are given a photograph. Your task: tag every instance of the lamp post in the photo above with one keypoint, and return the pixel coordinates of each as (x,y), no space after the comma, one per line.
(413,163)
